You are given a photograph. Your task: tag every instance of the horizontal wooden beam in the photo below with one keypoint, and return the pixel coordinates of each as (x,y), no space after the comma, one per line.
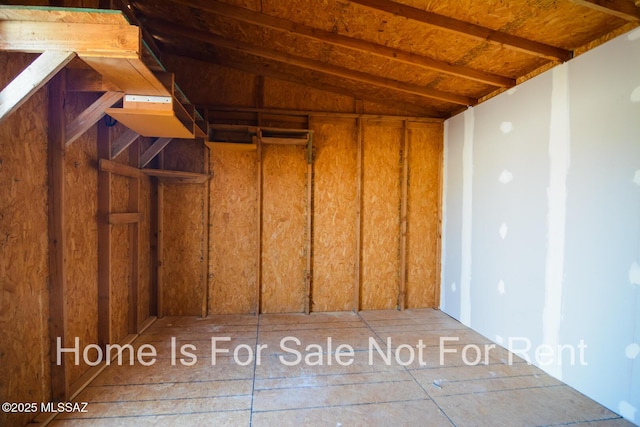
(158,145)
(624,9)
(264,69)
(231,146)
(88,80)
(284,141)
(468,29)
(102,40)
(125,218)
(120,169)
(36,75)
(91,115)
(130,75)
(174,29)
(257,18)
(313,113)
(177,177)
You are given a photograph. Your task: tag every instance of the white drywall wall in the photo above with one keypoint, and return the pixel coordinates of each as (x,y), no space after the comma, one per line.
(541,221)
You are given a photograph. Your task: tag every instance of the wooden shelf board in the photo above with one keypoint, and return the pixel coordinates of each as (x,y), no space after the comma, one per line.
(66,15)
(177,177)
(152,123)
(234,146)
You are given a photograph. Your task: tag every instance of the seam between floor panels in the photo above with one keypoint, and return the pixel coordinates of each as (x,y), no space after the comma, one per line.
(411,374)
(255,367)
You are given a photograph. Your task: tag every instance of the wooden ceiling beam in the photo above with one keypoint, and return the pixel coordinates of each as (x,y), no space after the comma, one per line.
(103,40)
(173,29)
(272,22)
(266,71)
(468,29)
(32,78)
(624,9)
(88,80)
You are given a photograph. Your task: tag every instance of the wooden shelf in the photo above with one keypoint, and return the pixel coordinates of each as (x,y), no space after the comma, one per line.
(242,135)
(177,177)
(163,117)
(233,146)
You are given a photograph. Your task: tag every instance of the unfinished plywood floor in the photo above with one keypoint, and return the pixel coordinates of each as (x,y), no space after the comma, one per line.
(366,392)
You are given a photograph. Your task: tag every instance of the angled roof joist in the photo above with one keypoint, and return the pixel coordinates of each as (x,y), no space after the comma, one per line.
(31,79)
(624,9)
(261,19)
(271,54)
(468,29)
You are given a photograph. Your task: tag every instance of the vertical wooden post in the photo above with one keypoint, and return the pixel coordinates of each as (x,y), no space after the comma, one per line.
(205,237)
(153,237)
(309,237)
(258,142)
(57,268)
(104,239)
(358,260)
(134,238)
(403,216)
(160,245)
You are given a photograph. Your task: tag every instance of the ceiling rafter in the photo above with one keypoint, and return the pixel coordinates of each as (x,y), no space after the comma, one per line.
(174,29)
(272,22)
(625,9)
(29,81)
(471,30)
(266,71)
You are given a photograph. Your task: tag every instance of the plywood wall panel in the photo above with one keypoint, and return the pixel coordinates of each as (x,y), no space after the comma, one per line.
(184,233)
(145,263)
(334,238)
(286,95)
(284,228)
(24,304)
(182,254)
(120,258)
(380,217)
(423,230)
(233,241)
(224,86)
(81,256)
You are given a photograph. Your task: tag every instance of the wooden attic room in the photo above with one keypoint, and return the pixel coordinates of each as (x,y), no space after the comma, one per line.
(337,212)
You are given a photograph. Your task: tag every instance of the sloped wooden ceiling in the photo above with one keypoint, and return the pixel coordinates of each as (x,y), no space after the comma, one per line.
(436,56)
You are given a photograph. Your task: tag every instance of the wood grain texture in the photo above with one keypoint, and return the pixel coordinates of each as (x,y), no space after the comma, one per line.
(334,236)
(81,231)
(283,234)
(423,240)
(24,270)
(380,217)
(183,233)
(233,240)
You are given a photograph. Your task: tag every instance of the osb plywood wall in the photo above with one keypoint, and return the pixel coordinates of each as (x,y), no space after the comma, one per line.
(334,213)
(423,216)
(284,229)
(81,208)
(24,341)
(184,225)
(235,212)
(244,266)
(381,217)
(233,220)
(146,307)
(24,246)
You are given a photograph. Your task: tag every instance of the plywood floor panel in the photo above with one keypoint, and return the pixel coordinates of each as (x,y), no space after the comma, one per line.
(368,391)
